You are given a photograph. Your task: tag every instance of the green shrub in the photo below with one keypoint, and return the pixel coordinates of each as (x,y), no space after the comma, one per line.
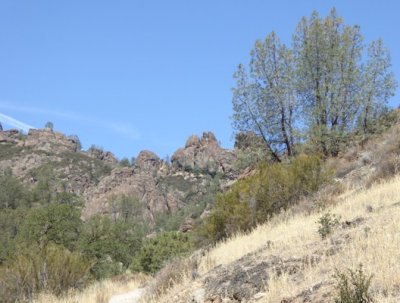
(10,224)
(327,224)
(274,187)
(111,243)
(58,223)
(353,287)
(229,216)
(124,162)
(49,268)
(12,193)
(157,251)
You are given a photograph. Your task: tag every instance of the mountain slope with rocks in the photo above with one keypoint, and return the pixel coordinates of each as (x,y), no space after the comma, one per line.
(97,176)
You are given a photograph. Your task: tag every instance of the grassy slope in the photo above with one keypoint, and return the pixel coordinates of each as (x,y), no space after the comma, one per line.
(375,243)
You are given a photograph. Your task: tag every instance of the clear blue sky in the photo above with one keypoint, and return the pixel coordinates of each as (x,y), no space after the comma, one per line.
(133,75)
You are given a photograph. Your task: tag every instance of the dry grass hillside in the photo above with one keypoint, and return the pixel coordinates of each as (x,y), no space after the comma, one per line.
(286,260)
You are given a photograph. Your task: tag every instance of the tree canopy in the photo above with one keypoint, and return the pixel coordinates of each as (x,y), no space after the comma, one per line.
(319,89)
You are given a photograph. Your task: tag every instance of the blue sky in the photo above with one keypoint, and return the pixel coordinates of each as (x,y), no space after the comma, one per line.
(133,75)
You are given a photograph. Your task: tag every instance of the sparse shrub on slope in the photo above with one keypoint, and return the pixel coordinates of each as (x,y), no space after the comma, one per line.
(353,287)
(273,188)
(173,273)
(327,224)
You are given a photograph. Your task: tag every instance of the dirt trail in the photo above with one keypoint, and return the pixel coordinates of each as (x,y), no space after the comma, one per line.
(129,297)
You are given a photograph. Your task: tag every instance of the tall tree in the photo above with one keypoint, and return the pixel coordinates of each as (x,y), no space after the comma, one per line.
(264,100)
(321,85)
(379,83)
(328,55)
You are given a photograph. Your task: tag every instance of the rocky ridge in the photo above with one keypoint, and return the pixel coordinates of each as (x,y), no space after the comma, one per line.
(96,175)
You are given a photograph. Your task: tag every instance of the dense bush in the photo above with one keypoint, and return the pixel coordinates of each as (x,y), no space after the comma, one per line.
(57,223)
(274,187)
(157,251)
(111,243)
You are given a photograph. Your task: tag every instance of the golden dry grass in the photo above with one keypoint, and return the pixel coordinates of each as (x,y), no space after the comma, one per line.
(375,244)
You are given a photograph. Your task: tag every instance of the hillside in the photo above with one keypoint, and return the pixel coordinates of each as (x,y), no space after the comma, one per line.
(303,208)
(97,176)
(295,256)
(286,260)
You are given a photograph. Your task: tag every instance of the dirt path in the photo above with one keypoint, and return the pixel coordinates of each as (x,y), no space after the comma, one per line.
(129,297)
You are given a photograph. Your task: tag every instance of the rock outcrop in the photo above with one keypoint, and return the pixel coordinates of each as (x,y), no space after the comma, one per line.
(95,175)
(49,141)
(100,154)
(9,136)
(148,160)
(203,155)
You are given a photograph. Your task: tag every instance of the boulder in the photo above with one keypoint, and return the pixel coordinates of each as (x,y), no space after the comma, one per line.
(147,160)
(187,225)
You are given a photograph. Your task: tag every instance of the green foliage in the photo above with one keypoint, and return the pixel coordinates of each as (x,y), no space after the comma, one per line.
(124,162)
(69,199)
(111,243)
(195,203)
(49,268)
(156,251)
(58,223)
(353,287)
(43,192)
(263,99)
(12,193)
(327,224)
(230,215)
(316,90)
(274,187)
(126,208)
(10,224)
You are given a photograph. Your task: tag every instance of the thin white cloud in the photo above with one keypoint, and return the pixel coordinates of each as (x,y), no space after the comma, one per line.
(40,111)
(121,128)
(15,123)
(125,129)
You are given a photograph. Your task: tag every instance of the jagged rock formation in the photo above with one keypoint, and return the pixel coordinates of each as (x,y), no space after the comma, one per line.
(148,160)
(100,154)
(203,155)
(96,176)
